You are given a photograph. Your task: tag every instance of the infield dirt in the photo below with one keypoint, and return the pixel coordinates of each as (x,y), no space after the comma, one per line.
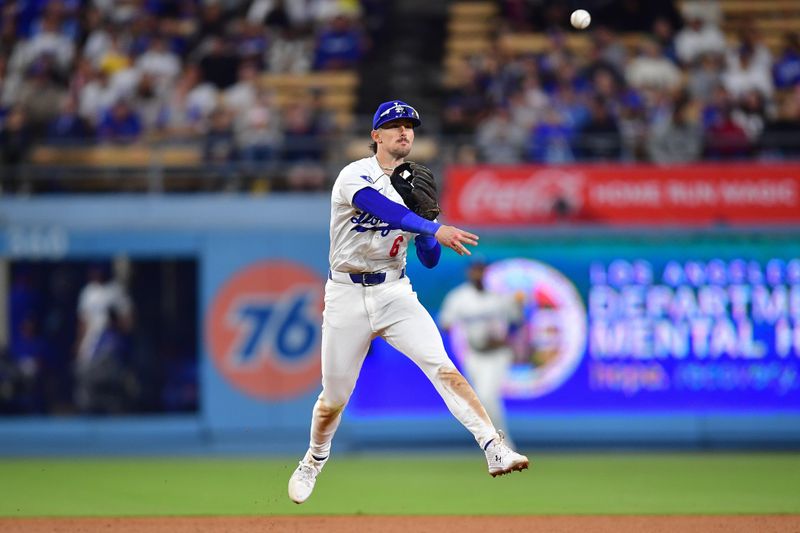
(411,524)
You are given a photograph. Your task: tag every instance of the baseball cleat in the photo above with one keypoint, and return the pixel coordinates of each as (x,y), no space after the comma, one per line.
(503,460)
(302,482)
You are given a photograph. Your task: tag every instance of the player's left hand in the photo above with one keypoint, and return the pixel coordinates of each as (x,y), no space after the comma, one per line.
(456,239)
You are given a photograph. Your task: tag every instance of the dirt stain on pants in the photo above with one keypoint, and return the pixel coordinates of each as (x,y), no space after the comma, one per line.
(455,383)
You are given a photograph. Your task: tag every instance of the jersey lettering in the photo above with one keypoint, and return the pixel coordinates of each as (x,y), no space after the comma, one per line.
(365,222)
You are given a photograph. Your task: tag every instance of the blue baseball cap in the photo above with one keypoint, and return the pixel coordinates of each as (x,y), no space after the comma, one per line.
(394,110)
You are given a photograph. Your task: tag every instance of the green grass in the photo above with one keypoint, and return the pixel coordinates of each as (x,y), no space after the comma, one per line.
(556,484)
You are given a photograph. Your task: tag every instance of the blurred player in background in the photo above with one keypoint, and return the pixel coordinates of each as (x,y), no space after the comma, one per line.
(485,319)
(378,205)
(105,314)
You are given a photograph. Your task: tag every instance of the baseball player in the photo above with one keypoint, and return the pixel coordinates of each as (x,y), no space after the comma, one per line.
(485,319)
(378,205)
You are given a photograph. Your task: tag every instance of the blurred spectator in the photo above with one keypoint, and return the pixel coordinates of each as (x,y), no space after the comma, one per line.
(251,43)
(190,103)
(46,40)
(750,38)
(324,119)
(633,128)
(709,11)
(15,143)
(698,37)
(290,51)
(115,57)
(276,14)
(120,124)
(213,20)
(258,133)
(464,108)
(159,62)
(663,33)
(745,72)
(551,140)
(599,139)
(339,46)
(651,70)
(98,37)
(678,138)
(527,105)
(608,50)
(499,139)
(40,95)
(786,71)
(149,102)
(30,354)
(780,137)
(301,132)
(704,76)
(751,115)
(69,126)
(241,96)
(219,146)
(725,139)
(96,96)
(8,83)
(219,65)
(571,106)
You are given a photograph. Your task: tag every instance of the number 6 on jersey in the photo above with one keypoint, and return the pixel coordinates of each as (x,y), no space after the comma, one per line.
(395,246)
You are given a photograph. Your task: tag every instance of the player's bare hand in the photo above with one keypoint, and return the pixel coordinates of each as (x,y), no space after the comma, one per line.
(456,239)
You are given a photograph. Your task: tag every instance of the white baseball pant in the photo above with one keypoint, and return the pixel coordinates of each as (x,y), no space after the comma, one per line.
(487,372)
(353,316)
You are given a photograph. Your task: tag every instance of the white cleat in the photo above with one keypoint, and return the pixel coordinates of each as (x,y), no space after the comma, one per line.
(302,482)
(502,459)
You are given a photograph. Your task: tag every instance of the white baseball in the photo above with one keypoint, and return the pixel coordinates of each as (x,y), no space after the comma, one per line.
(580,19)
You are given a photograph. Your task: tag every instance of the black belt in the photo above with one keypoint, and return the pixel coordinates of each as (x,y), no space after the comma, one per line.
(368,279)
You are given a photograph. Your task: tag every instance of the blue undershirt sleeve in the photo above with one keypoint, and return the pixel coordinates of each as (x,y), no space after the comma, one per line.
(396,215)
(428,250)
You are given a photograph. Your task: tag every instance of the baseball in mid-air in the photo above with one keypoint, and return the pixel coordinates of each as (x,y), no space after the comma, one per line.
(580,19)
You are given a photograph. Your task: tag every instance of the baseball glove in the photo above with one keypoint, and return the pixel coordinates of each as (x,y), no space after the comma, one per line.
(417,186)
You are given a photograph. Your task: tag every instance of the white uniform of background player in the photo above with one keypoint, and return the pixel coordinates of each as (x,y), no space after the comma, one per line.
(359,308)
(99,296)
(484,319)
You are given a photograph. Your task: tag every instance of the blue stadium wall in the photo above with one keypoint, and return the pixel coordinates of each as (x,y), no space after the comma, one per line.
(699,371)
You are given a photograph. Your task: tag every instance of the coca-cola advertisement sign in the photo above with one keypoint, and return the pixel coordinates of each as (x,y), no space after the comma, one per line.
(641,194)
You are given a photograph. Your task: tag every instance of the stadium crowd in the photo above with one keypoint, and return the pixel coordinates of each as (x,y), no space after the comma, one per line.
(127,71)
(678,92)
(159,72)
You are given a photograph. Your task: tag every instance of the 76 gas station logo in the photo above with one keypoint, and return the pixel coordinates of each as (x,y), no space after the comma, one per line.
(263,329)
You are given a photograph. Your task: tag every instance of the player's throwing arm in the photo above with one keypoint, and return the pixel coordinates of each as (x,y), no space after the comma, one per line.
(455,239)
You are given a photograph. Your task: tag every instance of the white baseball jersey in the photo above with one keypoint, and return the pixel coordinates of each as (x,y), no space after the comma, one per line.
(94,303)
(361,242)
(483,315)
(355,314)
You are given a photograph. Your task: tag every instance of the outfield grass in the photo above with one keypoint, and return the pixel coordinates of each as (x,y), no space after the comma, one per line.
(556,484)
